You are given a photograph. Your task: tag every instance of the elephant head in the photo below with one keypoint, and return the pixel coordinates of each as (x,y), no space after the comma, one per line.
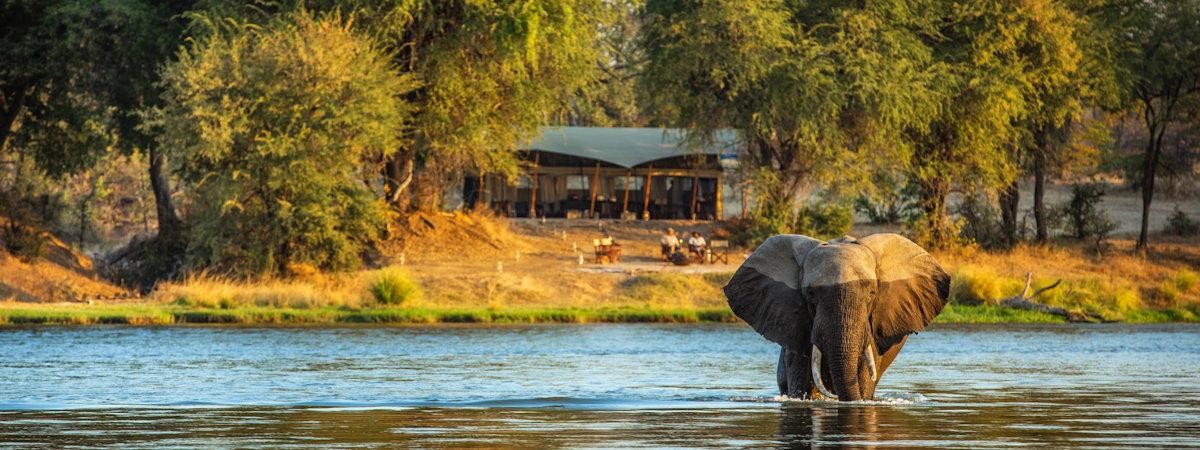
(841,309)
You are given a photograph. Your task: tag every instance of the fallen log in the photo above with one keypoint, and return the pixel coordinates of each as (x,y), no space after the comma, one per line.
(1025,301)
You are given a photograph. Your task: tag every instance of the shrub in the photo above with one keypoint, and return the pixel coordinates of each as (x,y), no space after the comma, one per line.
(771,215)
(393,286)
(271,125)
(1180,224)
(1082,218)
(980,222)
(977,286)
(825,220)
(891,204)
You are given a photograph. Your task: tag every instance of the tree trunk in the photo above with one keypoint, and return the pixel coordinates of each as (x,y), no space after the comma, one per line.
(9,111)
(1010,200)
(169,226)
(1039,195)
(1149,166)
(933,203)
(398,176)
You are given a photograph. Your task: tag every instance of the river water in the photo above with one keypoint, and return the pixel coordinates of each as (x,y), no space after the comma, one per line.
(586,386)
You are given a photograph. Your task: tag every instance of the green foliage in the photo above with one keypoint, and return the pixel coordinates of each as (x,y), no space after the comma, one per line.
(271,125)
(825,219)
(770,216)
(980,222)
(393,286)
(1180,224)
(890,201)
(490,73)
(815,87)
(75,74)
(1082,218)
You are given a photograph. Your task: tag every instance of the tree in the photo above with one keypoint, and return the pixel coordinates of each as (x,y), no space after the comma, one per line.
(272,125)
(1164,69)
(1059,80)
(490,73)
(74,77)
(813,87)
(1006,86)
(610,99)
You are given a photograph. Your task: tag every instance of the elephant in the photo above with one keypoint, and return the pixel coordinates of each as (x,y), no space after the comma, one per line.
(841,310)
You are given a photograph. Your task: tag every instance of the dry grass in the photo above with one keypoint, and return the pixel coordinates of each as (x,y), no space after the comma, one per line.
(1116,283)
(63,275)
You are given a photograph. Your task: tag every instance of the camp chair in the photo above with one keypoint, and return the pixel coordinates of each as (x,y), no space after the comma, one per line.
(611,250)
(601,251)
(718,251)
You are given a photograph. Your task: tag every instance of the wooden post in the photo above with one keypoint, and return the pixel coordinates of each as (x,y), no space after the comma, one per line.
(695,194)
(533,182)
(595,187)
(718,201)
(646,202)
(625,203)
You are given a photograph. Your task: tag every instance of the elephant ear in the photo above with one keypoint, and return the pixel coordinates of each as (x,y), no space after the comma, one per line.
(913,287)
(765,290)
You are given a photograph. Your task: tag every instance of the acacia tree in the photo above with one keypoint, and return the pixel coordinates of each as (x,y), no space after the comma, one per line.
(271,124)
(812,87)
(1164,69)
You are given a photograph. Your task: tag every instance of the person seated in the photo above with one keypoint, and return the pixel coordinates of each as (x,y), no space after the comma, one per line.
(669,243)
(697,245)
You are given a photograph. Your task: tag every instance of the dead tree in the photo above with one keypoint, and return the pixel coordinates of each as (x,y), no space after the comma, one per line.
(1025,301)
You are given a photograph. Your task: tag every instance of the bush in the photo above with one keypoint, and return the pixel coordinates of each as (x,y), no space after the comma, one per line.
(1180,224)
(825,220)
(980,222)
(393,286)
(771,215)
(891,205)
(1081,217)
(271,126)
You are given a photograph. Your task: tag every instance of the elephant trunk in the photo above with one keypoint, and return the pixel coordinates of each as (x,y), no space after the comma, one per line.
(845,355)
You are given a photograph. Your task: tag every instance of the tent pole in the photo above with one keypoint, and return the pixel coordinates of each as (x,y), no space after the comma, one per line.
(717,201)
(595,187)
(625,203)
(534,187)
(695,193)
(646,202)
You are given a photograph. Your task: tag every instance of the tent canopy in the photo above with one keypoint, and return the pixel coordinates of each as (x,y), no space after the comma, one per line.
(629,147)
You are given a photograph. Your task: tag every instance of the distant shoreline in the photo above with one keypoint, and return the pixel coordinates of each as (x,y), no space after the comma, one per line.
(155,314)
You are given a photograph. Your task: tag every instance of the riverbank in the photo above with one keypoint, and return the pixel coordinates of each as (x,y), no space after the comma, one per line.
(461,268)
(150,314)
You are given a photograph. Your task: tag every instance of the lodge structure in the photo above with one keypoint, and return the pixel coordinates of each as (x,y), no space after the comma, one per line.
(612,173)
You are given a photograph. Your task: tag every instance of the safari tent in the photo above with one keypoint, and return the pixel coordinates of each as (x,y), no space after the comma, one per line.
(644,173)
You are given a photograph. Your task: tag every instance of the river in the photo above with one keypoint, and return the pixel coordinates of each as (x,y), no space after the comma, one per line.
(586,386)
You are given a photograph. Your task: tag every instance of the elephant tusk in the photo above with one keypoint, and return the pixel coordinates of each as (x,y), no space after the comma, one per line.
(870,354)
(816,373)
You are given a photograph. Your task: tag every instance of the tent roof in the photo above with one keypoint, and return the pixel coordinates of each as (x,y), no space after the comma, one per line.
(628,147)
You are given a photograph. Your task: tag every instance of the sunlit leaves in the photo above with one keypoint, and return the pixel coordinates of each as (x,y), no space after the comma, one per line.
(271,124)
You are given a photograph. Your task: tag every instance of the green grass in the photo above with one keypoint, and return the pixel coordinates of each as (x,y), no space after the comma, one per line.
(955,313)
(170,314)
(653,297)
(167,314)
(393,286)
